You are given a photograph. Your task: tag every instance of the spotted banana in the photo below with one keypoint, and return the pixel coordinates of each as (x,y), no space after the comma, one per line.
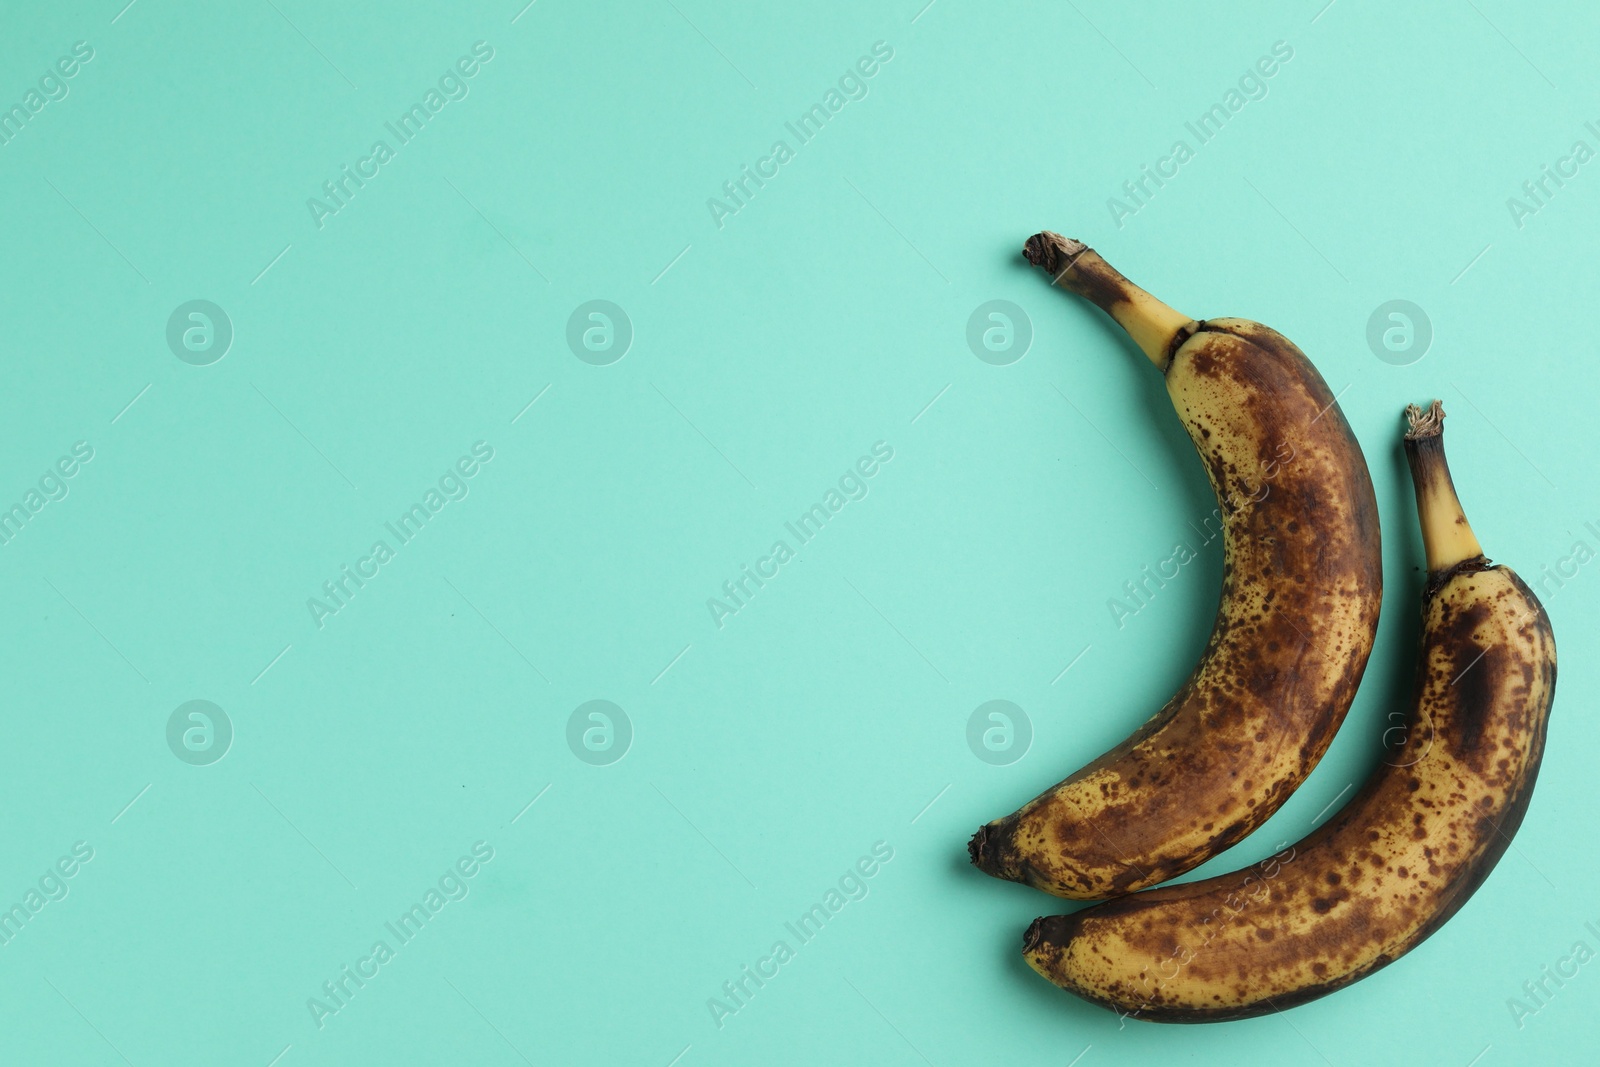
(1397,861)
(1299,607)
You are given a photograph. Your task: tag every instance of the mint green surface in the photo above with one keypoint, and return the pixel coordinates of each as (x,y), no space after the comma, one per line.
(772,348)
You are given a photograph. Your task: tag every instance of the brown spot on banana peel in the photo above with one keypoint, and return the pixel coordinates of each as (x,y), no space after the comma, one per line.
(1301,591)
(1463,778)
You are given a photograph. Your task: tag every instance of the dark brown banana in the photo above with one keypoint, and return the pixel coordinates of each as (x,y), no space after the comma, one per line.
(1301,588)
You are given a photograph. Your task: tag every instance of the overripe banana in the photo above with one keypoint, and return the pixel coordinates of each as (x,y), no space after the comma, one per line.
(1301,588)
(1397,861)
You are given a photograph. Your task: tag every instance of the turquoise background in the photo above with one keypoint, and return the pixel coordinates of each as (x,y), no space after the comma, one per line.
(830,313)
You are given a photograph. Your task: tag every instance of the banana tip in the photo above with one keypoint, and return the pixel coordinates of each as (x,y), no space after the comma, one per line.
(975,845)
(1424,422)
(1051,251)
(1031,936)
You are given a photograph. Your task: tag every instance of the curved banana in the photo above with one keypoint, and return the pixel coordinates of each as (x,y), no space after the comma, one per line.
(1391,867)
(1301,588)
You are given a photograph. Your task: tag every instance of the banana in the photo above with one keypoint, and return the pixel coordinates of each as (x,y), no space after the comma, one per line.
(1397,861)
(1300,594)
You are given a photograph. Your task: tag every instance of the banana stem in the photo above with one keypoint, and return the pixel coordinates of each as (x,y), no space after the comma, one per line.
(1447,538)
(1157,329)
